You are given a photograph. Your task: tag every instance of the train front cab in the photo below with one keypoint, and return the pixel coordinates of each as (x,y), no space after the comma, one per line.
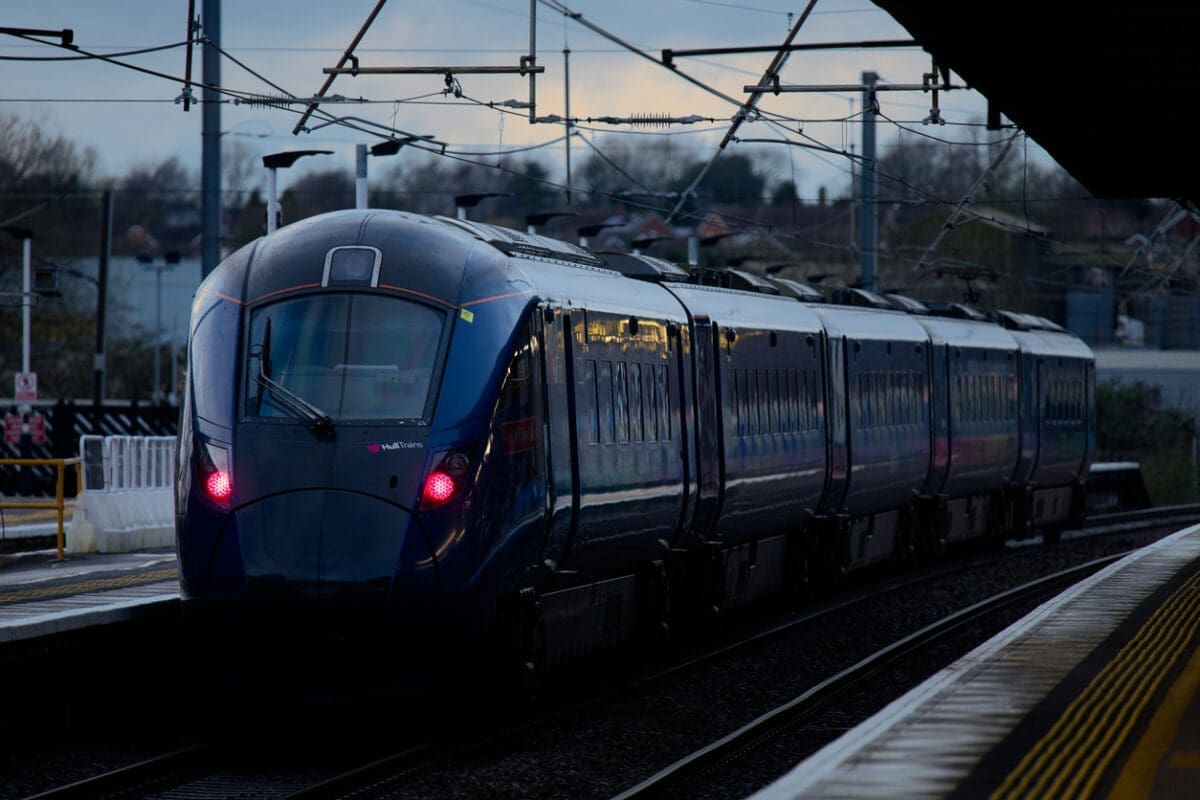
(339,523)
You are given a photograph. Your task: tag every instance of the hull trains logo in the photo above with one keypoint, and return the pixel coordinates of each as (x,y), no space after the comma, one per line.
(377,448)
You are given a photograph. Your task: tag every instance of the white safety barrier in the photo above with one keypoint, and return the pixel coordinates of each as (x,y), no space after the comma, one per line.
(128,499)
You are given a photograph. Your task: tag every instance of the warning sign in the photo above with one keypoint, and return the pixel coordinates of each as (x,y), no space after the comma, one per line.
(37,428)
(25,387)
(12,428)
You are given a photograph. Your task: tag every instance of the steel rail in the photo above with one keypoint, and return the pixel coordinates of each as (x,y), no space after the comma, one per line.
(693,765)
(123,779)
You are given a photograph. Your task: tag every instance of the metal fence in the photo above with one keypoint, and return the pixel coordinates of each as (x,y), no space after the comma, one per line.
(66,422)
(118,463)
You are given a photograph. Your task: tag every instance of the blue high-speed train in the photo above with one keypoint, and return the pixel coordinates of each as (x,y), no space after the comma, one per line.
(448,439)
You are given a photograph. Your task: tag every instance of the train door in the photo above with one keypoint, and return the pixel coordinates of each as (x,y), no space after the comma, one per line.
(1089,400)
(940,420)
(628,433)
(1029,369)
(561,444)
(837,410)
(1041,435)
(710,466)
(679,343)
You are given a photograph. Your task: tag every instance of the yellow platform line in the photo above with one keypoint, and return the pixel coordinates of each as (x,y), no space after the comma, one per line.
(1074,754)
(1137,776)
(82,587)
(36,515)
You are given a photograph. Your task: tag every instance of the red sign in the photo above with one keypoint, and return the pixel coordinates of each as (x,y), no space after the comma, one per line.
(37,428)
(12,428)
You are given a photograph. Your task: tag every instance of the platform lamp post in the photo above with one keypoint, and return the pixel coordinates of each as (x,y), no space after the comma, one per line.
(533,220)
(26,237)
(277,161)
(644,242)
(388,147)
(464,201)
(170,259)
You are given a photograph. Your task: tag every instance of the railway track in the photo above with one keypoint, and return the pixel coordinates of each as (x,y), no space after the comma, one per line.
(722,752)
(213,771)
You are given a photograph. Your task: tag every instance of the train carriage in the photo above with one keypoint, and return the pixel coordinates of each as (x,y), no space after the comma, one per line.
(763,400)
(1058,422)
(880,441)
(974,379)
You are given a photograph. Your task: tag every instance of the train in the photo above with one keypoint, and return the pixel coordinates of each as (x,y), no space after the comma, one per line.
(458,443)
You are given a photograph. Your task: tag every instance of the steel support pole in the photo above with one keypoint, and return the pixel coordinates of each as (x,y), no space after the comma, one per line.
(360,180)
(272,203)
(26,301)
(156,395)
(869,242)
(210,137)
(102,300)
(567,112)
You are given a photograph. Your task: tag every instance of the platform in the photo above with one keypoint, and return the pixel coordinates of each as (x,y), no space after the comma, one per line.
(1094,694)
(42,596)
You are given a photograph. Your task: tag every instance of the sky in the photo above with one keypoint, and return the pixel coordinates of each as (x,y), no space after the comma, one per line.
(132,119)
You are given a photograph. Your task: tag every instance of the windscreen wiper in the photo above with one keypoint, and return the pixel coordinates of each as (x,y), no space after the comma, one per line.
(316,419)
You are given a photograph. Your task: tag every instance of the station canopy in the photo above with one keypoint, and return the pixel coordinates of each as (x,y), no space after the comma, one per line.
(1111,91)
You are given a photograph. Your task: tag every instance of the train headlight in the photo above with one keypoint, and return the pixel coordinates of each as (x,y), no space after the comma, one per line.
(446,479)
(212,468)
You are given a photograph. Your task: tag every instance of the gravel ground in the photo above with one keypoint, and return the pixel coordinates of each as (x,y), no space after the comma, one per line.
(130,707)
(601,751)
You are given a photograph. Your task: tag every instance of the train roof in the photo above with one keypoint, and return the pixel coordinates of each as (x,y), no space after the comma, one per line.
(869,323)
(731,307)
(968,333)
(440,259)
(515,243)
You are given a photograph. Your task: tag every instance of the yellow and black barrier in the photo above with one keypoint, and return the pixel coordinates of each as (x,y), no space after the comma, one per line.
(58,502)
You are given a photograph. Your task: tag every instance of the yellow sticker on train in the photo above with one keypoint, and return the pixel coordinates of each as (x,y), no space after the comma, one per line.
(466,315)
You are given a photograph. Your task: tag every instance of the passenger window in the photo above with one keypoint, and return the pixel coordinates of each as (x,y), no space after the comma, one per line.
(651,408)
(743,392)
(636,428)
(804,407)
(664,393)
(592,392)
(881,400)
(621,401)
(607,414)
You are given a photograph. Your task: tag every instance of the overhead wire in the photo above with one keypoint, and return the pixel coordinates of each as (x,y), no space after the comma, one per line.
(748,106)
(578,18)
(92,56)
(237,95)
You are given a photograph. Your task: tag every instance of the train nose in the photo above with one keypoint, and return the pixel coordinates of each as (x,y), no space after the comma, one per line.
(327,541)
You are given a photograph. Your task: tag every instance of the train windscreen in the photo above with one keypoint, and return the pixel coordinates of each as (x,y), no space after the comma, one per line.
(342,357)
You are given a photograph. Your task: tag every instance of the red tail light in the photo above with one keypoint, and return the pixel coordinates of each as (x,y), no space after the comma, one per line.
(439,487)
(219,486)
(446,479)
(213,472)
